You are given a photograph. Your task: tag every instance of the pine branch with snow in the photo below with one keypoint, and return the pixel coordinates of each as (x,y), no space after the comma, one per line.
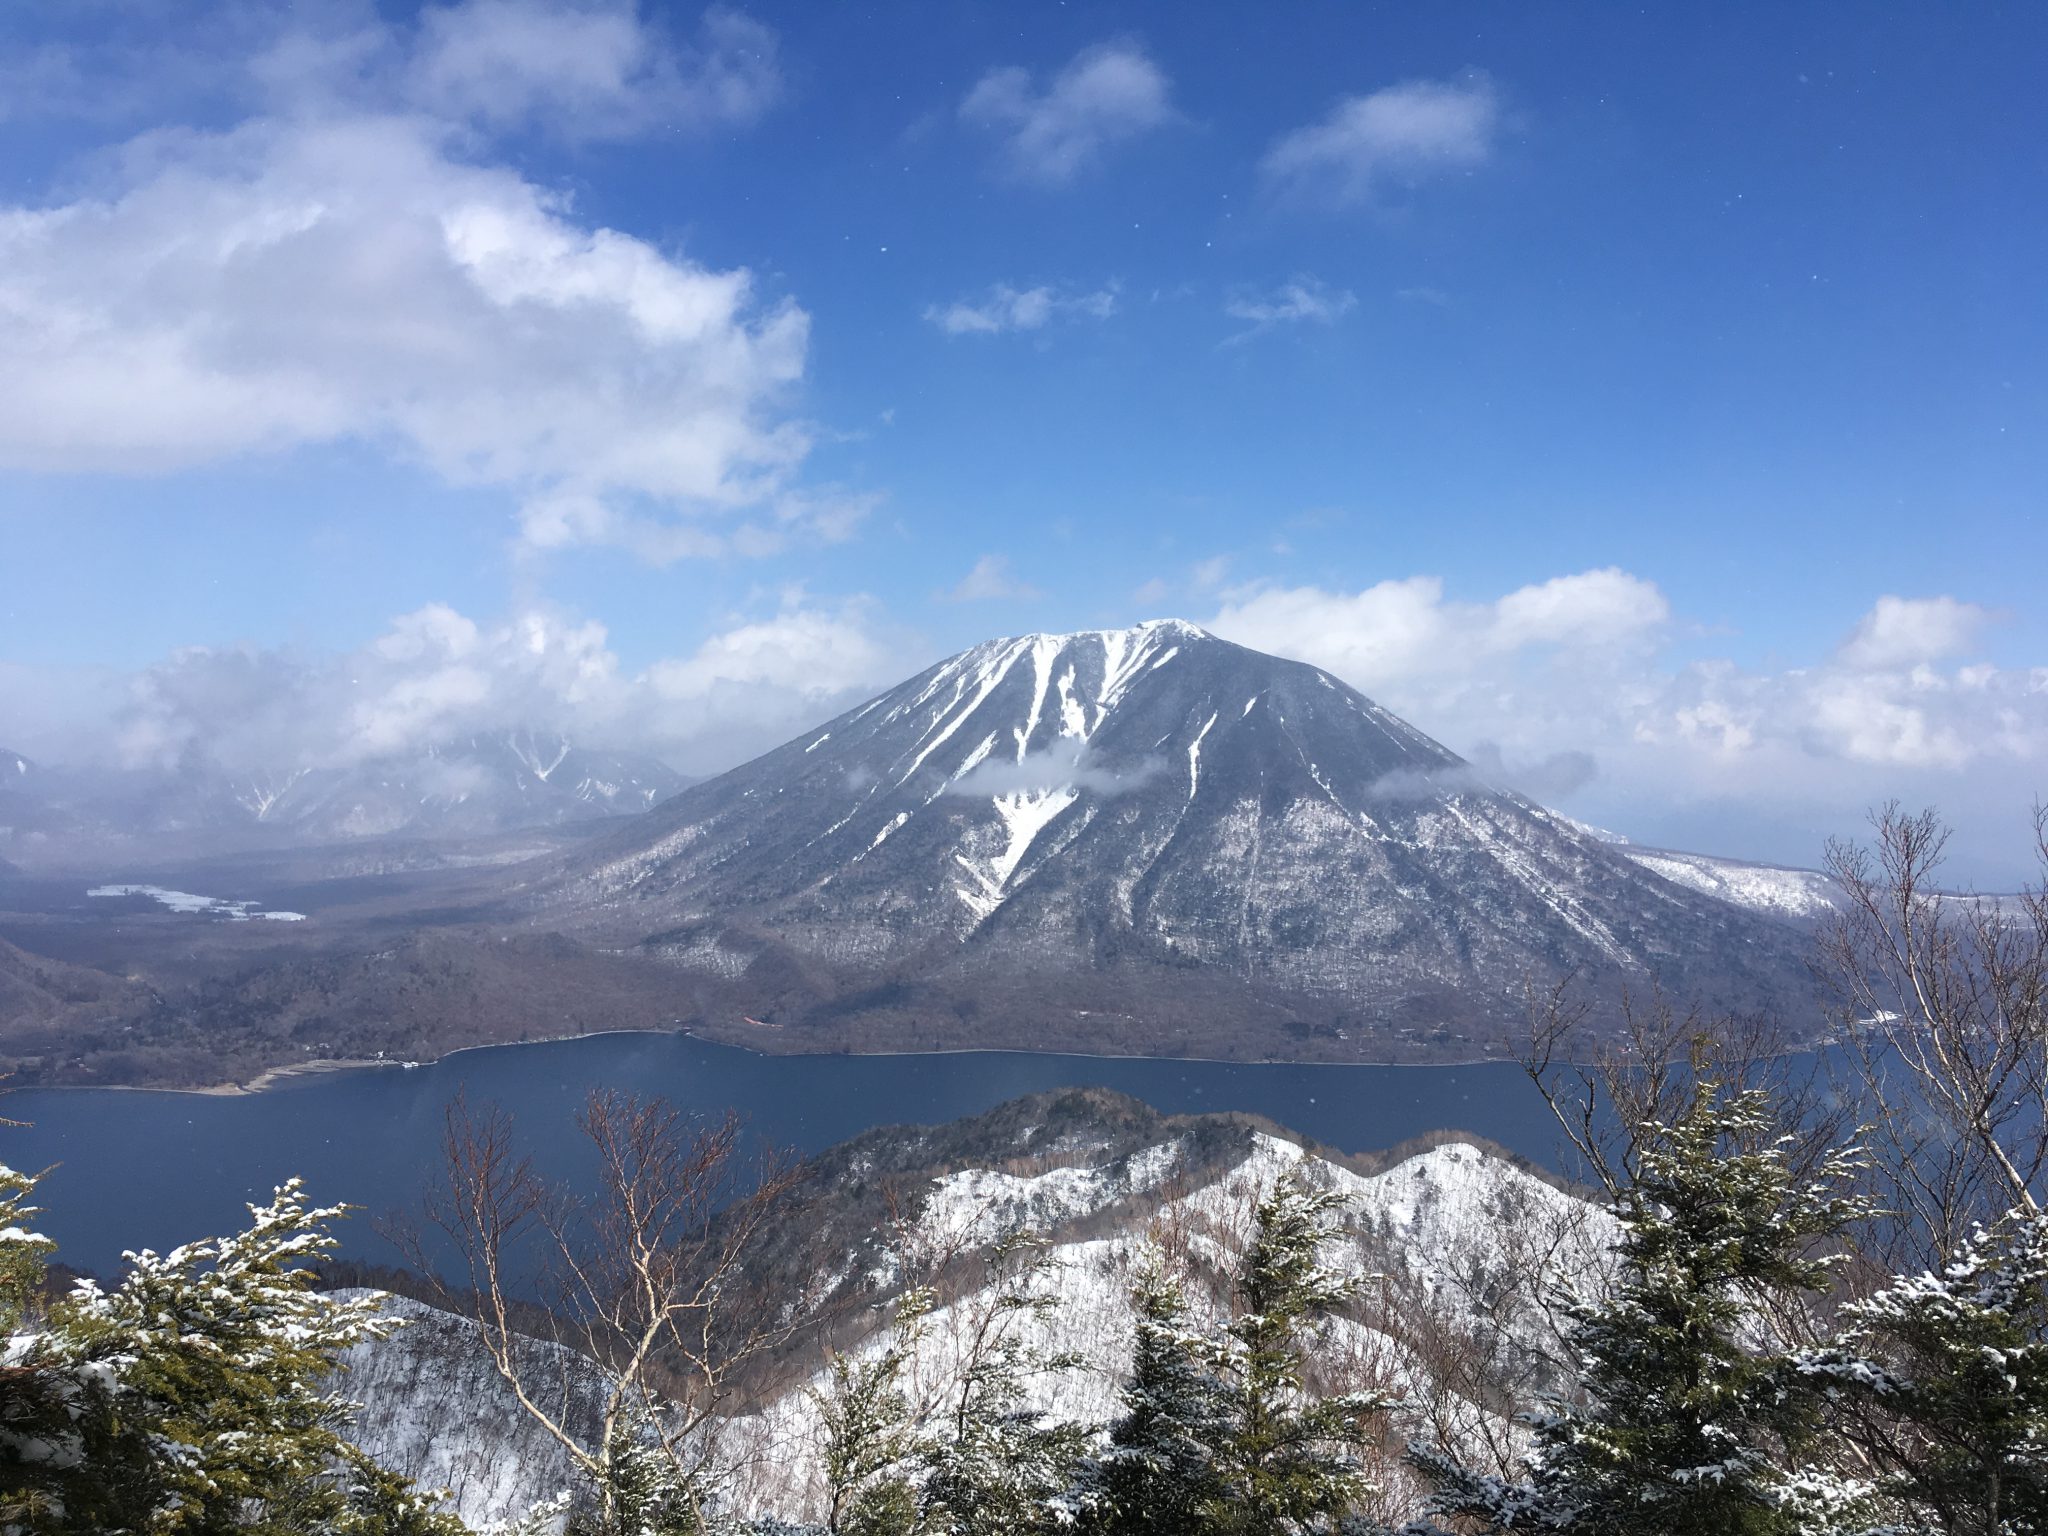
(199,1392)
(1942,1384)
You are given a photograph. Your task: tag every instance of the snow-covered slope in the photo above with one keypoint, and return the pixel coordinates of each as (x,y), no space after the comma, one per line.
(1467,1243)
(1140,822)
(1767,888)
(436,1410)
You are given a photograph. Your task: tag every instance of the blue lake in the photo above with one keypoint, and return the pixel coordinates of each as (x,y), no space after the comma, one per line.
(136,1169)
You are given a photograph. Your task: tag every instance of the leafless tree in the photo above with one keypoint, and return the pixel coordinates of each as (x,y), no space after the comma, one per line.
(641,1281)
(1487,1330)
(1609,1090)
(1606,1086)
(1945,1002)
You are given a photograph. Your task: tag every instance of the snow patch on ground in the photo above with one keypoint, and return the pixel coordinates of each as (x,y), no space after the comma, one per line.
(978,1205)
(211,906)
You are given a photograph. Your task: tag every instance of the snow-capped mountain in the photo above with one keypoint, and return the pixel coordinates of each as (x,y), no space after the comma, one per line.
(1469,1247)
(1150,826)
(493,782)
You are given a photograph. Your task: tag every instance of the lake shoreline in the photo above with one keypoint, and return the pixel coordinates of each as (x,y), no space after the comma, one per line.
(271,1079)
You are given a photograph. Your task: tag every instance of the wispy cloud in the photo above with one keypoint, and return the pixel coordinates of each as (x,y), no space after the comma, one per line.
(1402,135)
(1063,765)
(1004,308)
(1305,300)
(1105,96)
(991,580)
(597,71)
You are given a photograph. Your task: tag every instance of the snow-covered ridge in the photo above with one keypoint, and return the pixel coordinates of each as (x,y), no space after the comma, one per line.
(1453,1229)
(1769,888)
(1446,1227)
(977,1205)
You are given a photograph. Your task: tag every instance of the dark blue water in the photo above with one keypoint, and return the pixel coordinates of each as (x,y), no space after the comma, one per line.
(154,1169)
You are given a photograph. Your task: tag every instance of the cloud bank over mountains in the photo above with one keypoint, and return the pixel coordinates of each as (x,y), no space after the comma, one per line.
(1584,664)
(1567,689)
(436,675)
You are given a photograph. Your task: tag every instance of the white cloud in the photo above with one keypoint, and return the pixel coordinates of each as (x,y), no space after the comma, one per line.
(1398,631)
(349,273)
(1700,749)
(1590,608)
(1004,308)
(804,653)
(1901,630)
(1304,300)
(588,71)
(1403,134)
(437,674)
(1104,96)
(991,579)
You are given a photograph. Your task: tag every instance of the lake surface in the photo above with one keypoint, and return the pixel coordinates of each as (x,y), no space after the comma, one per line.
(136,1169)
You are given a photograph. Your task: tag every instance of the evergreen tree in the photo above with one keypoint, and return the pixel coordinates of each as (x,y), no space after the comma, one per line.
(39,1433)
(1686,1420)
(1943,1380)
(644,1492)
(997,1467)
(1288,1462)
(870,1437)
(1158,1476)
(198,1401)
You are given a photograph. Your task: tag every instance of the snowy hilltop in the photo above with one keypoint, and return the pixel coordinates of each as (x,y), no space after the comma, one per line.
(1461,1243)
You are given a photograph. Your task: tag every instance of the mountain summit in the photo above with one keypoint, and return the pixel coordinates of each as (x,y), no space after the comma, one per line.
(1152,829)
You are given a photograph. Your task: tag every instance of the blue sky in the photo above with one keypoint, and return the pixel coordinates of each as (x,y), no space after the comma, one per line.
(1665,389)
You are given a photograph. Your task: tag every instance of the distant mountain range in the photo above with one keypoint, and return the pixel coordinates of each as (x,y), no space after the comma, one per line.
(474,786)
(1147,839)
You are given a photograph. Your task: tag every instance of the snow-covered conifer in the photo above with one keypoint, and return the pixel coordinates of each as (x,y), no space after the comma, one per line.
(201,1392)
(1688,1423)
(996,1467)
(644,1491)
(39,1441)
(870,1436)
(1289,1462)
(1942,1381)
(1158,1475)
